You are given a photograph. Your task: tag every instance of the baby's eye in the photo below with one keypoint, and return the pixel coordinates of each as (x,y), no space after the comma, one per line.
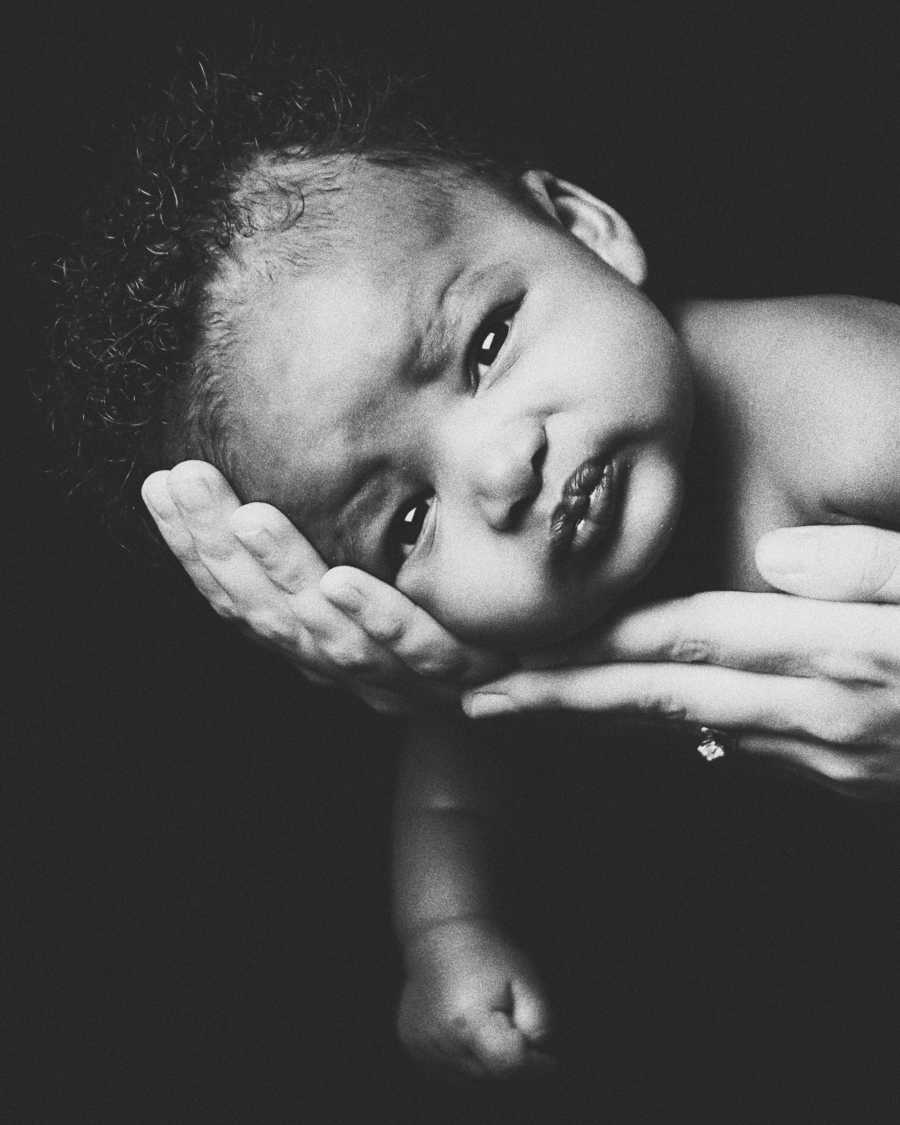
(406,528)
(488,342)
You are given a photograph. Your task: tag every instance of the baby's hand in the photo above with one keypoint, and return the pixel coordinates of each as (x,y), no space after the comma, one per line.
(473,1005)
(254,568)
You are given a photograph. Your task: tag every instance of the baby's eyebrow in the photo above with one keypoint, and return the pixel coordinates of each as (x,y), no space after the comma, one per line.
(440,332)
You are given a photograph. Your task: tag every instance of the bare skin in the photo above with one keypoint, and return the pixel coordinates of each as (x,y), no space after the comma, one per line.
(815,691)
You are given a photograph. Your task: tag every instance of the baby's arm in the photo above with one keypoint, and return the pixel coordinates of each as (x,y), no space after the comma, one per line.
(472,1003)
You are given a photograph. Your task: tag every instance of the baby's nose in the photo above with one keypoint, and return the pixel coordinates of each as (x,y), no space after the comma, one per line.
(508,475)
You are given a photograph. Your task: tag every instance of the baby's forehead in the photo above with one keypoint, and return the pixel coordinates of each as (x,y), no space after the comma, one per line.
(407,209)
(323,353)
(322,358)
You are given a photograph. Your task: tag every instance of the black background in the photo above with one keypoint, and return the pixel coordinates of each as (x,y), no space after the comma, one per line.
(197,842)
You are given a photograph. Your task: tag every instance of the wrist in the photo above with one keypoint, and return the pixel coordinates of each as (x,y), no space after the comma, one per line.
(447,937)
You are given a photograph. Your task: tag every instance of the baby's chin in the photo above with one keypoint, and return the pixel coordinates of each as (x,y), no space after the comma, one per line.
(534,628)
(557,615)
(552,634)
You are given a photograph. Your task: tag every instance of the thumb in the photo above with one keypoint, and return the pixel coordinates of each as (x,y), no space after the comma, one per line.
(530,1012)
(850,563)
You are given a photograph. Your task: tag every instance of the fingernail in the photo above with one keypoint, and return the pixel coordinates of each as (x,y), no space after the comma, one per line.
(344,594)
(786,551)
(479,704)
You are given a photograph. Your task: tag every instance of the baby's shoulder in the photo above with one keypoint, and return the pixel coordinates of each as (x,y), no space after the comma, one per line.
(824,337)
(834,370)
(812,338)
(819,379)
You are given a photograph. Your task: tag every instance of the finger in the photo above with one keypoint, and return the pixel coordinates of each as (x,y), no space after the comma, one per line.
(286,556)
(332,645)
(846,563)
(385,702)
(442,1057)
(167,517)
(453,1050)
(348,649)
(499,1045)
(769,633)
(230,577)
(207,506)
(530,1013)
(413,636)
(205,501)
(720,697)
(870,774)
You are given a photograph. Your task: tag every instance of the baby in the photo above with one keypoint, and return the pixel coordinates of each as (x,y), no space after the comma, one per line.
(444,371)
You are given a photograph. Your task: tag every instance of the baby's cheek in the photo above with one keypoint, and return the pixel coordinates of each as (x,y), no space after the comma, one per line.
(508,610)
(498,596)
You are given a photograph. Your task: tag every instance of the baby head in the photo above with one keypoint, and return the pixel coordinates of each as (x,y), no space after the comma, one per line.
(444,371)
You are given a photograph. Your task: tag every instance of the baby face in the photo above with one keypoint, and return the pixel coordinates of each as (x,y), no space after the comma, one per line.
(469,402)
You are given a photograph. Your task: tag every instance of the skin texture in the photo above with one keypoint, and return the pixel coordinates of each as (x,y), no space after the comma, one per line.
(473,1004)
(810,690)
(347,627)
(360,401)
(380,646)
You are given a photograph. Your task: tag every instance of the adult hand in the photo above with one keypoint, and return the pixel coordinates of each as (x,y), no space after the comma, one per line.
(813,685)
(339,626)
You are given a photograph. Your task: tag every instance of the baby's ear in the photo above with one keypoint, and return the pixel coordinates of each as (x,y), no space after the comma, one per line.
(600,227)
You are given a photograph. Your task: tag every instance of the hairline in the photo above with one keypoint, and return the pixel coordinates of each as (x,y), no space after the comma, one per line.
(203,422)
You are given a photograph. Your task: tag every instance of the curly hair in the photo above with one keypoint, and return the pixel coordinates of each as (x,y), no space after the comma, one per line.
(141,334)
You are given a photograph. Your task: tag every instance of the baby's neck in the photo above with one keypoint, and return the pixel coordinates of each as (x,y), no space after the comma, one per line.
(706,550)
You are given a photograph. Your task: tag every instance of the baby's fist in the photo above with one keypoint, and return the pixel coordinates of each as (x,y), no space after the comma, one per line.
(473,1004)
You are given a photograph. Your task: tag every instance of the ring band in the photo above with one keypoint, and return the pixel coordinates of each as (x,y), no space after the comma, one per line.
(712,743)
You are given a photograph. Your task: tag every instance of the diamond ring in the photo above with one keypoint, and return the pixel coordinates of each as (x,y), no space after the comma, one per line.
(711,744)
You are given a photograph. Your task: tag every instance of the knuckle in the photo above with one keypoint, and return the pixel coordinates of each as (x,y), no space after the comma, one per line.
(691,649)
(667,706)
(435,665)
(215,549)
(291,578)
(842,771)
(266,625)
(692,643)
(224,609)
(349,657)
(307,603)
(180,542)
(386,631)
(841,726)
(847,667)
(829,728)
